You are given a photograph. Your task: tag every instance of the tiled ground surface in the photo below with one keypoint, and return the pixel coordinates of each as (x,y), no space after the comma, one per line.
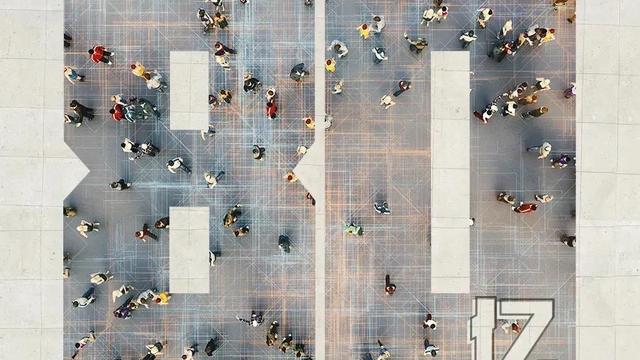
(372,155)
(251,274)
(375,154)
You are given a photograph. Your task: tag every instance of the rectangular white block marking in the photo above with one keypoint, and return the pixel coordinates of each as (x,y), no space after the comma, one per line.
(189,250)
(450,162)
(189,90)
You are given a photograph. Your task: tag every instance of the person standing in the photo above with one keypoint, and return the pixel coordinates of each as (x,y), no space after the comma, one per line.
(138,69)
(212,180)
(251,83)
(145,233)
(528,100)
(87,298)
(509,108)
(389,288)
(258,152)
(120,185)
(286,343)
(378,23)
(189,352)
(467,38)
(442,13)
(205,19)
(330,65)
(430,349)
(73,119)
(536,112)
(100,278)
(225,95)
(162,298)
(416,45)
(121,291)
(484,16)
(339,47)
(241,231)
(382,208)
(561,161)
(542,84)
(72,75)
(154,81)
(543,150)
(86,227)
(506,198)
(403,86)
(428,16)
(506,28)
(176,164)
(272,109)
(162,223)
(364,31)
(220,20)
(99,53)
(338,87)
(298,72)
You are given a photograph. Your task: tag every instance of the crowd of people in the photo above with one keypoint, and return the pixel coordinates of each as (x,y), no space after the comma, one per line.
(523,99)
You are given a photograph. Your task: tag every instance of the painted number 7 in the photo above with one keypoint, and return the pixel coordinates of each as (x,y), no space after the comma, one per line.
(482,324)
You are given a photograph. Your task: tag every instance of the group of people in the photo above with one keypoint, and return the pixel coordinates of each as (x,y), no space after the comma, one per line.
(272,338)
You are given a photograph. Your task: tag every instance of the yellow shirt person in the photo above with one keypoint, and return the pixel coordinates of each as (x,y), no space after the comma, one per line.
(137,69)
(330,65)
(364,31)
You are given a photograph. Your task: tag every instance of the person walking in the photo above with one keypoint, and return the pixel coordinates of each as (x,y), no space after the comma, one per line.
(73,120)
(403,86)
(382,208)
(416,45)
(339,47)
(561,161)
(220,20)
(189,352)
(86,299)
(145,233)
(570,241)
(536,112)
(176,164)
(232,215)
(72,75)
(241,231)
(272,333)
(81,110)
(542,84)
(120,185)
(100,278)
(442,13)
(509,108)
(570,91)
(524,208)
(544,198)
(162,298)
(212,180)
(429,323)
(298,72)
(528,100)
(138,69)
(99,53)
(487,113)
(225,95)
(86,227)
(272,109)
(506,198)
(484,16)
(205,19)
(218,4)
(154,81)
(389,288)
(212,346)
(255,320)
(129,146)
(222,49)
(338,87)
(430,349)
(428,16)
(162,223)
(121,291)
(383,352)
(467,38)
(83,342)
(258,152)
(286,343)
(543,150)
(251,83)
(386,101)
(379,55)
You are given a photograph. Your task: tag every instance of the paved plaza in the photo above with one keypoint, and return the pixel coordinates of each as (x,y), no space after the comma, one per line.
(371,155)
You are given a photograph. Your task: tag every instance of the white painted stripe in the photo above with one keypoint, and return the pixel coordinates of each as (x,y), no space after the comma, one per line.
(189,90)
(189,250)
(319,149)
(450,181)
